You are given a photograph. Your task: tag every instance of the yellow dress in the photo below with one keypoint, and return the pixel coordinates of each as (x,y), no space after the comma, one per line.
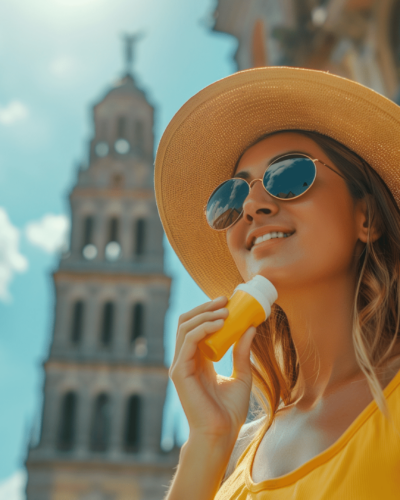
(363,464)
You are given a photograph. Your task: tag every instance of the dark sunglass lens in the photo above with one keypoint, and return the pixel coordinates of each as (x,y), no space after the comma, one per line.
(289,177)
(226,203)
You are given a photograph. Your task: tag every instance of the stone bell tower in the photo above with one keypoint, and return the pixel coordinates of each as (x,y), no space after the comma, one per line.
(105,380)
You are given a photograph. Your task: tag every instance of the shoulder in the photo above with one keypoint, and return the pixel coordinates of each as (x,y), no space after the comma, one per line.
(246,434)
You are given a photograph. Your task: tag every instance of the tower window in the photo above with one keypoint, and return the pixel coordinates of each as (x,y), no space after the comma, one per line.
(137,324)
(121,127)
(100,432)
(77,322)
(89,251)
(101,129)
(107,324)
(113,248)
(140,235)
(88,231)
(132,424)
(139,135)
(66,434)
(101,149)
(113,229)
(117,180)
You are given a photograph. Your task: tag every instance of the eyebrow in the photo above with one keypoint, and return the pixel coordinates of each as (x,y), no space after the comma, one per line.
(244,174)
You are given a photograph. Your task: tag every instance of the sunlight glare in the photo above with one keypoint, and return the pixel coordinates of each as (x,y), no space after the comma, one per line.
(77,3)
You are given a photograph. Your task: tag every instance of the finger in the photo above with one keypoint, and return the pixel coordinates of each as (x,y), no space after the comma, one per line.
(186,317)
(241,356)
(207,306)
(186,357)
(198,320)
(203,326)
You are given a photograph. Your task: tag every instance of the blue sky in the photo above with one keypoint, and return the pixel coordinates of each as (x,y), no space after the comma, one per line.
(57,58)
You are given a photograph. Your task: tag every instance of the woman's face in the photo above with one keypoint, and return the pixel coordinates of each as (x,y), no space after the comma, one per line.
(326,225)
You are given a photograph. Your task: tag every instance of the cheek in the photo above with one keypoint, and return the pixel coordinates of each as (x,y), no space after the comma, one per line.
(330,232)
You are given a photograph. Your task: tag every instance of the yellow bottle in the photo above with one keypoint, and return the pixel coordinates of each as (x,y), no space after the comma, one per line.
(250,305)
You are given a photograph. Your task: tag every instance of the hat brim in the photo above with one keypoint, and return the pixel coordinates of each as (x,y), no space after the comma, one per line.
(203,141)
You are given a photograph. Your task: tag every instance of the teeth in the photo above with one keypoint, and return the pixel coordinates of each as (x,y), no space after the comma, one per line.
(269,236)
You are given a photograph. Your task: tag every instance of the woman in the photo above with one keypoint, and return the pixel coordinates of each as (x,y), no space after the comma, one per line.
(325,366)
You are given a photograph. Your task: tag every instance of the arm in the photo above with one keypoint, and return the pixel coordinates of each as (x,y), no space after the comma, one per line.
(205,463)
(215,405)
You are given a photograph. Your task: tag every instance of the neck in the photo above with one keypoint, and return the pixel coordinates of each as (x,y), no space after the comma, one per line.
(321,322)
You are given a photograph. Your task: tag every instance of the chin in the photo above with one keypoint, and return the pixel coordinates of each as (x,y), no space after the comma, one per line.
(278,277)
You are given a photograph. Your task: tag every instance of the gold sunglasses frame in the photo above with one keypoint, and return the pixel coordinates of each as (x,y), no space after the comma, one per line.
(251,184)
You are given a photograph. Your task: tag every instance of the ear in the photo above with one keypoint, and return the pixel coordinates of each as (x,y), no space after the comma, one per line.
(368,222)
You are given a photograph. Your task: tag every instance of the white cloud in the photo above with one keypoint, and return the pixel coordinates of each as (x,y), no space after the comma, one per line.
(11,260)
(49,233)
(13,488)
(14,111)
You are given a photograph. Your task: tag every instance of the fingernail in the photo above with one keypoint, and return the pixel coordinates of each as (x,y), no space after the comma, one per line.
(218,298)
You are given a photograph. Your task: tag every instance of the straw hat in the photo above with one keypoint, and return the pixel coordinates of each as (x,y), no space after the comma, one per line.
(203,141)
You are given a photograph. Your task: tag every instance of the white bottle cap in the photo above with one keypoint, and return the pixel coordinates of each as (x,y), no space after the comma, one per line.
(262,290)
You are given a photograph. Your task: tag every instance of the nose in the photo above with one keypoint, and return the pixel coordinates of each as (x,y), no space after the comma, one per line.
(258,203)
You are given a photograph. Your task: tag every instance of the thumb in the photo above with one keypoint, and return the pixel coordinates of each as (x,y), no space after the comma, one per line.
(241,355)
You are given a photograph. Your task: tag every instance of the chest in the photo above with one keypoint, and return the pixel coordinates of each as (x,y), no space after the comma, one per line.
(298,435)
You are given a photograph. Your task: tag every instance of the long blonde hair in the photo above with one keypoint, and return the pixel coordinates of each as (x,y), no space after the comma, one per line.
(376,316)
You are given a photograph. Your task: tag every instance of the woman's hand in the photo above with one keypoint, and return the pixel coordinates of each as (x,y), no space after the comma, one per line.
(215,406)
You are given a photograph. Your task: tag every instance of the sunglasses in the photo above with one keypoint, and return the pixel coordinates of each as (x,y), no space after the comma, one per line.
(286,178)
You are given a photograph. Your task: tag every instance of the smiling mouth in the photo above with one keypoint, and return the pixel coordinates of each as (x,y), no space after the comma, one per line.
(270,236)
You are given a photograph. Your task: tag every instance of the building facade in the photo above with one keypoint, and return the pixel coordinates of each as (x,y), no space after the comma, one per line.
(105,379)
(357,39)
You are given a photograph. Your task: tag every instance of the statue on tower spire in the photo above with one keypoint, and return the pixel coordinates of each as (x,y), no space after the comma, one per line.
(129,41)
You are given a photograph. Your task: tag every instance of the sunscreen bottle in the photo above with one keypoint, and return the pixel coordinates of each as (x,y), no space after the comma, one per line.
(250,305)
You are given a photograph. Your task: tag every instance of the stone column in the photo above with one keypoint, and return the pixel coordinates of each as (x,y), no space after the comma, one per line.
(120,346)
(151,418)
(154,327)
(85,404)
(117,420)
(51,414)
(76,230)
(91,333)
(126,236)
(99,233)
(62,319)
